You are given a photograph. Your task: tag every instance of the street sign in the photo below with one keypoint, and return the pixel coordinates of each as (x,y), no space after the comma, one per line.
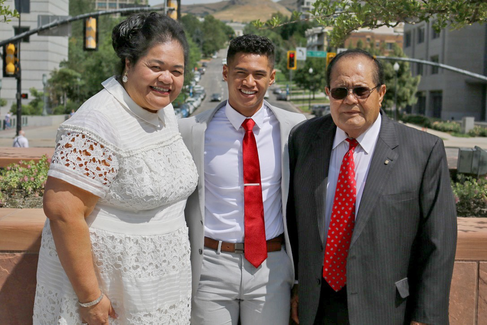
(301,53)
(316,54)
(61,30)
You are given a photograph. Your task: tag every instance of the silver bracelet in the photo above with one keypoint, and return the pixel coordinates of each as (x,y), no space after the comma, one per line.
(91,303)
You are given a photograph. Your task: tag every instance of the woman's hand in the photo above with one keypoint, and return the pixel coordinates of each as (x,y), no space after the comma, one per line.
(98,314)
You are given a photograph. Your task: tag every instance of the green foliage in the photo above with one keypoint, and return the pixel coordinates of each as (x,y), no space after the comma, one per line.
(26,176)
(446,126)
(209,35)
(417,120)
(347,16)
(3,102)
(6,12)
(36,105)
(470,196)
(65,109)
(478,131)
(314,81)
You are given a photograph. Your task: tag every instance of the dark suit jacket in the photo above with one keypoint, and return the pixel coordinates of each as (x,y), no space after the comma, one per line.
(401,257)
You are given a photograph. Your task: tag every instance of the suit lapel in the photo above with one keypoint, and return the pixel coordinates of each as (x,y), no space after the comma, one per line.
(198,141)
(319,159)
(380,170)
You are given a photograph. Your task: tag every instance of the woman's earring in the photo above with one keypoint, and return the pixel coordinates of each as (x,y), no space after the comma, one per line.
(125,78)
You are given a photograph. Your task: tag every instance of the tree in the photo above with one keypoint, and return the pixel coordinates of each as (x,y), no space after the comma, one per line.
(63,85)
(6,12)
(313,81)
(347,16)
(407,85)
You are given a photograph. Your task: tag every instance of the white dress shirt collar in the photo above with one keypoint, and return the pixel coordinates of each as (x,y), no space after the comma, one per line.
(236,119)
(116,89)
(367,140)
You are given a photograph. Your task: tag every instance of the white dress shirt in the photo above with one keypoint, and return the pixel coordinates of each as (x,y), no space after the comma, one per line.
(362,157)
(224,189)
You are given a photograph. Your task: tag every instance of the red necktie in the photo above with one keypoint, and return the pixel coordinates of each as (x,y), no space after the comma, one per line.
(255,247)
(341,223)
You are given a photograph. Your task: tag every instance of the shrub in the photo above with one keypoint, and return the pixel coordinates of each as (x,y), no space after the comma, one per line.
(470,196)
(26,177)
(478,131)
(446,126)
(417,119)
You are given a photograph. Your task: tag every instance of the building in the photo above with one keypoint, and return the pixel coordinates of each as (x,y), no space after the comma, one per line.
(39,55)
(446,94)
(383,37)
(119,4)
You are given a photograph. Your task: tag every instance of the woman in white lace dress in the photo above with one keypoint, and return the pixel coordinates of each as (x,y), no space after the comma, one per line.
(115,246)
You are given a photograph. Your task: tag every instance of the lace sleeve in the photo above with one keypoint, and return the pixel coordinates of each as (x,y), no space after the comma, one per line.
(84,162)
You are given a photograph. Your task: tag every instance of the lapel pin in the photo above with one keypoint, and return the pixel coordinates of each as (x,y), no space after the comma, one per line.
(387,162)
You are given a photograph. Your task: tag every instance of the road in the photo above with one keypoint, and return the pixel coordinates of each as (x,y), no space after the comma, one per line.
(213,82)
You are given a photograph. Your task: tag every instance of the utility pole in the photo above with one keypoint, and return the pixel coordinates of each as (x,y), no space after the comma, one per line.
(19,86)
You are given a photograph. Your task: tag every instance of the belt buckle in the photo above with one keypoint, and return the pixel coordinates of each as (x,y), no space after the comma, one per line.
(239,248)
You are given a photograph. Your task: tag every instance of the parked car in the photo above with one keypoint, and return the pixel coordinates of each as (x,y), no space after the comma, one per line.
(320,110)
(277,91)
(283,96)
(216,97)
(186,109)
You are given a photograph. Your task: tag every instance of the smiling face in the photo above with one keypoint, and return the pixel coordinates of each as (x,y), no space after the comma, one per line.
(352,115)
(248,76)
(157,78)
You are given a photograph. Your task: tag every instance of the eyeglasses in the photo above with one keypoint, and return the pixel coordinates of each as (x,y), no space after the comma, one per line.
(359,92)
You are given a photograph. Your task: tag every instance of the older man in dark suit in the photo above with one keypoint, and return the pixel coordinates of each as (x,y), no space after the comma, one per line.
(371,213)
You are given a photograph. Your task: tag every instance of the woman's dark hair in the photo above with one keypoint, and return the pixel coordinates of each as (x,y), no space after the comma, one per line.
(251,44)
(133,37)
(378,73)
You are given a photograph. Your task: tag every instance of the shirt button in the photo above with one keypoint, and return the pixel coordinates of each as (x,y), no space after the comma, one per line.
(318,281)
(201,222)
(200,251)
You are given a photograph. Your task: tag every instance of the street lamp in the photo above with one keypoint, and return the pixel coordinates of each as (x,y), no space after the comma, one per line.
(44,82)
(396,69)
(309,97)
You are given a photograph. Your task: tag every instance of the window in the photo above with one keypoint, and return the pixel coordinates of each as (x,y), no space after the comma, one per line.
(112,5)
(102,5)
(419,69)
(18,31)
(377,44)
(421,103)
(407,39)
(420,35)
(435,34)
(436,98)
(389,46)
(435,59)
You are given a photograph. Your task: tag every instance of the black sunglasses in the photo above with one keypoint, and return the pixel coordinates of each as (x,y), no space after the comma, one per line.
(359,92)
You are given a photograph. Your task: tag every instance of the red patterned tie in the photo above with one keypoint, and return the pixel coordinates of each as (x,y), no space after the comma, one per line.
(255,242)
(341,223)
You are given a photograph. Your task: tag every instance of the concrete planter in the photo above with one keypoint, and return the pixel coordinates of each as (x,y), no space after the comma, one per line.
(20,233)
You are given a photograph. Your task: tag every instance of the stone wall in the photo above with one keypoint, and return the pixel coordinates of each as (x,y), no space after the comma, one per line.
(20,232)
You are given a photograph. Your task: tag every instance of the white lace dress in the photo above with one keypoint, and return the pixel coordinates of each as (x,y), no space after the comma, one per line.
(136,162)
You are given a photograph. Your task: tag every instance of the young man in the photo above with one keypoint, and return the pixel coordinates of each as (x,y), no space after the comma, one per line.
(371,211)
(241,260)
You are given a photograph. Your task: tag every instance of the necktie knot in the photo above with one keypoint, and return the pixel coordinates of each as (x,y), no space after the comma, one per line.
(352,143)
(248,124)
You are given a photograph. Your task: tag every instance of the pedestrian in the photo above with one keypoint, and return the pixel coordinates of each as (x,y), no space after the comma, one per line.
(241,274)
(21,141)
(7,120)
(115,246)
(371,212)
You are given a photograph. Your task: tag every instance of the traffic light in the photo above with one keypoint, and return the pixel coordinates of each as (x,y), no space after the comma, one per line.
(172,13)
(291,60)
(91,34)
(329,57)
(10,59)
